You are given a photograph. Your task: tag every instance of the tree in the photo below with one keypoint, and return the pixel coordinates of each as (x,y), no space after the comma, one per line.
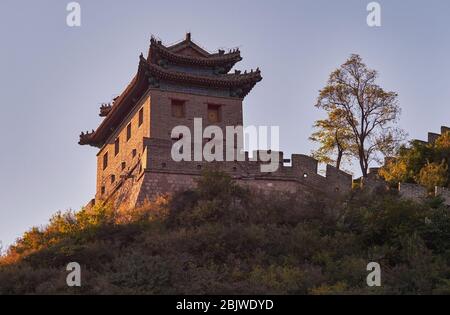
(433,174)
(408,162)
(395,171)
(334,137)
(369,112)
(421,162)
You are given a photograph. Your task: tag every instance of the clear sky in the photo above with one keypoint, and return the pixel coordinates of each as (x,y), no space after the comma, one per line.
(53,77)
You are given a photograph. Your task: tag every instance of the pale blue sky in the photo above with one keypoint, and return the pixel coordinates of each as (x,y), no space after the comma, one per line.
(53,78)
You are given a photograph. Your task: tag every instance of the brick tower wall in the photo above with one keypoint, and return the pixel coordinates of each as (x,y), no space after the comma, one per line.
(159,174)
(157,123)
(195,106)
(130,150)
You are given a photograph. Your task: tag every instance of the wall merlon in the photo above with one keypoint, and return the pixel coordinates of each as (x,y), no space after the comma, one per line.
(304,163)
(373,172)
(258,154)
(332,172)
(432,137)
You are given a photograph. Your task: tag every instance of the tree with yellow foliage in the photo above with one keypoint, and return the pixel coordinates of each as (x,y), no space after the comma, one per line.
(365,110)
(433,174)
(334,137)
(423,163)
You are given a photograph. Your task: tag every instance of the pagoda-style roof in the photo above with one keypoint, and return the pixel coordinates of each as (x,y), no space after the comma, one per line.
(158,70)
(245,82)
(189,53)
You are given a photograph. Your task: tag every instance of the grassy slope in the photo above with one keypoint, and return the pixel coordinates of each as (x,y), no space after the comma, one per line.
(222,239)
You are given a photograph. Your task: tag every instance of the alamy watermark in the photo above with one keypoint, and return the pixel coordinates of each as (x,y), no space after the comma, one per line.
(73,19)
(374,277)
(73,279)
(229,148)
(374,16)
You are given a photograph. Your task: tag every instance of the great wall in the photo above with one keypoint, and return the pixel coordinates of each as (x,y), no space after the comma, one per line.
(173,86)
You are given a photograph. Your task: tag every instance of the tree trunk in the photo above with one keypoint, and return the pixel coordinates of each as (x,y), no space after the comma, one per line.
(362,161)
(339,159)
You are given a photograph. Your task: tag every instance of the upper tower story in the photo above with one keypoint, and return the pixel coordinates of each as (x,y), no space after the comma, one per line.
(182,81)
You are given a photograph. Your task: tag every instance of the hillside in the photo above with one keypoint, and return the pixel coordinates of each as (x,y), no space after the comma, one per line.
(223,239)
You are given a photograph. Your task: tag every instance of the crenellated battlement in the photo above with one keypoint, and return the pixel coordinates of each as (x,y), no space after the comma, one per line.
(432,136)
(302,169)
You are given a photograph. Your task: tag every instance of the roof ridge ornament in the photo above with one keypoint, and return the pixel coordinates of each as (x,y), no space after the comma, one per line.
(154,39)
(105,108)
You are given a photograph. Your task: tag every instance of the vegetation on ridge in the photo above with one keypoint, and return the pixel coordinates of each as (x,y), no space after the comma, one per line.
(222,239)
(420,162)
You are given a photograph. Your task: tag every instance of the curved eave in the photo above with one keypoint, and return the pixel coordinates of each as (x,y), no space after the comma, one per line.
(227,60)
(221,81)
(122,105)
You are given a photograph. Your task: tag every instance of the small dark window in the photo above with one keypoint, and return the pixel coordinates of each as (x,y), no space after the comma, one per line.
(102,190)
(129,131)
(105,160)
(177,108)
(113,178)
(164,164)
(116,146)
(199,166)
(134,152)
(124,165)
(213,113)
(141,116)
